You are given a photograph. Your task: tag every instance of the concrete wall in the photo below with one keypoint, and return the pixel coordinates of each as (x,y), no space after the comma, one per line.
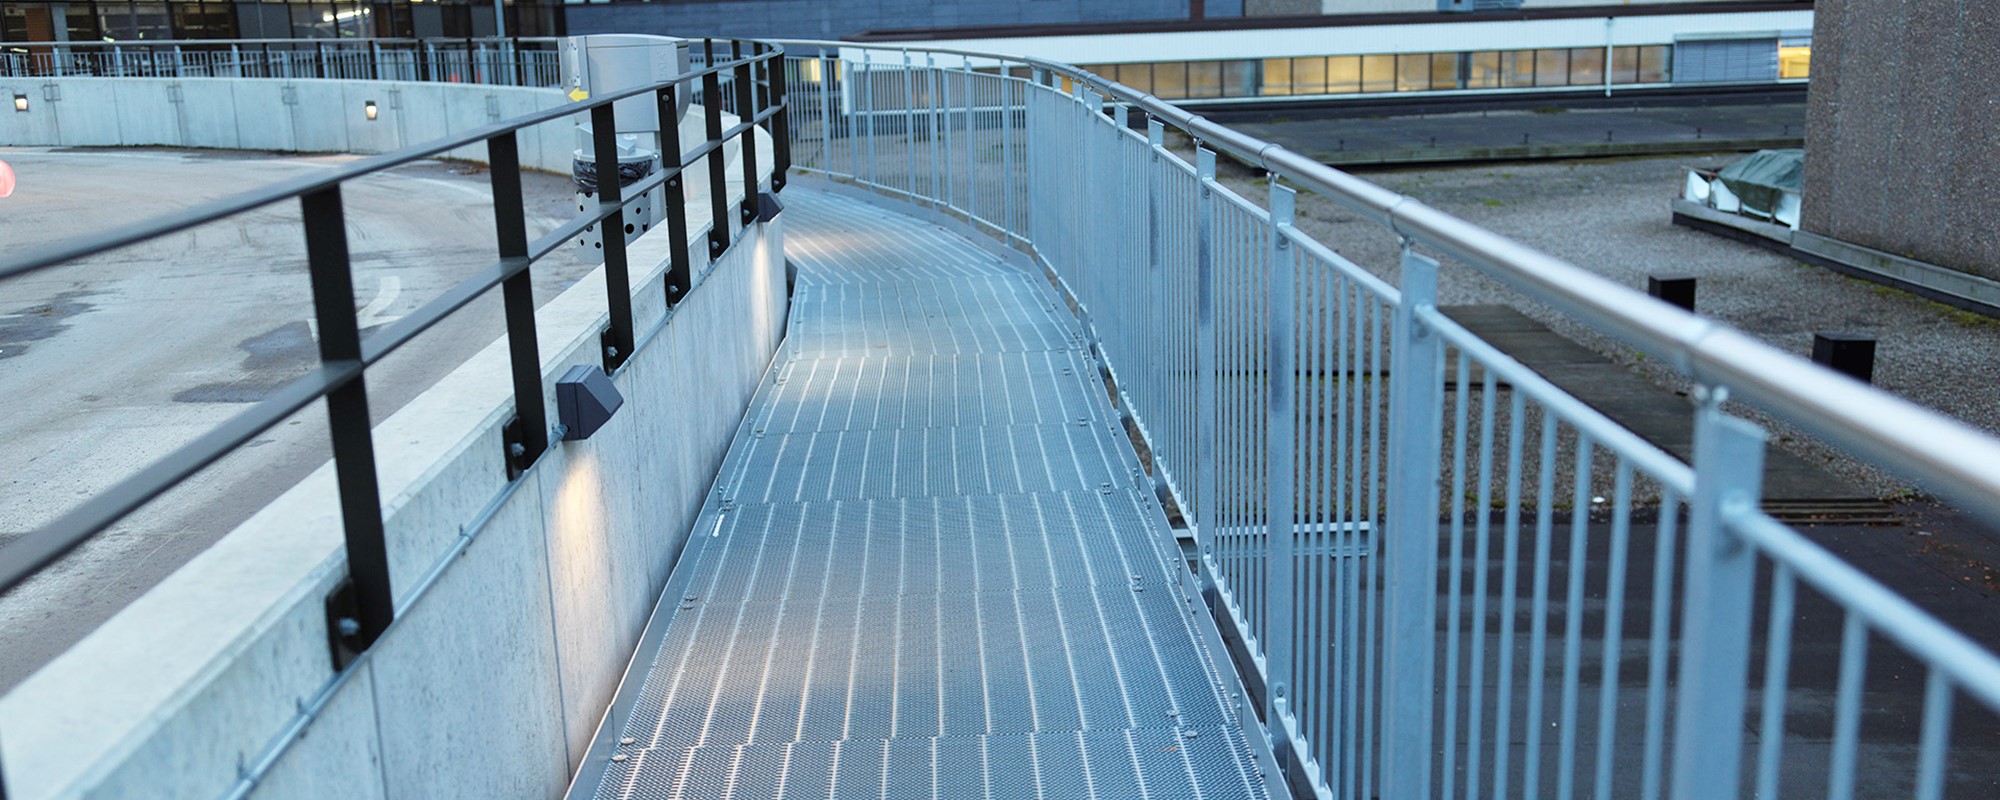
(272,114)
(1901,151)
(832,19)
(492,683)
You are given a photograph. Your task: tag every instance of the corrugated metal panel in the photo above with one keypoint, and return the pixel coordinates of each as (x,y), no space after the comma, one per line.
(1725,60)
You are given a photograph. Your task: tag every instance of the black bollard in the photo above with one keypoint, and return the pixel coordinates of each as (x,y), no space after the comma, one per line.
(1849,353)
(1675,289)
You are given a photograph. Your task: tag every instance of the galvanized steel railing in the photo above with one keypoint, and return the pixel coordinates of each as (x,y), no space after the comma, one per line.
(517,61)
(1274,379)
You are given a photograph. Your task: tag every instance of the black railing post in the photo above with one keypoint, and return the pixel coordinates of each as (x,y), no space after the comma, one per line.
(528,435)
(746,114)
(718,178)
(362,607)
(781,125)
(611,192)
(680,277)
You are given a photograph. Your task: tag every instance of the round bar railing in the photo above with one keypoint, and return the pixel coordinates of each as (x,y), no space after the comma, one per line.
(1422,631)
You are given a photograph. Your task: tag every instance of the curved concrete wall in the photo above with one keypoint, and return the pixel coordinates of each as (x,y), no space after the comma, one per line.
(308,116)
(490,684)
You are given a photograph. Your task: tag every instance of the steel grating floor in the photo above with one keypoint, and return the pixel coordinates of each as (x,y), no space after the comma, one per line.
(932,568)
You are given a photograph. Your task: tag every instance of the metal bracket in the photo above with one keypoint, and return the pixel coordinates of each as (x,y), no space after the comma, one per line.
(613,359)
(343,625)
(514,445)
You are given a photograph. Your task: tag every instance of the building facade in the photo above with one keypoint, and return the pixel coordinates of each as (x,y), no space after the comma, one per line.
(25,22)
(1901,154)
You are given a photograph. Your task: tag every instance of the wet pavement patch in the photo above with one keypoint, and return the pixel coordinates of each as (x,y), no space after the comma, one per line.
(23,326)
(272,359)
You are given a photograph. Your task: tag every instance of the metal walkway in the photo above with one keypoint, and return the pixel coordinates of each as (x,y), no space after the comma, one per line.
(931,569)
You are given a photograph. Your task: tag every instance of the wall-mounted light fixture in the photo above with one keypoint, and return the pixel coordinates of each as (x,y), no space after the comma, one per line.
(585,400)
(369,110)
(20,102)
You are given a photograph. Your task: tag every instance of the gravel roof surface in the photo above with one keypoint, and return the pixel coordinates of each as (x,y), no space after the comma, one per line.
(1612,216)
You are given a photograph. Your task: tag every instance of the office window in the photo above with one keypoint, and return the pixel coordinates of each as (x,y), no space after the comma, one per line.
(1624,65)
(1444,70)
(1137,76)
(1482,69)
(1170,80)
(1586,66)
(1277,77)
(1314,75)
(1413,72)
(1517,69)
(1795,61)
(1552,68)
(1655,64)
(1204,79)
(1239,78)
(1378,73)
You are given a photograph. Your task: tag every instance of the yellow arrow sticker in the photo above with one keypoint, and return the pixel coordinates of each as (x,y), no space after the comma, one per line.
(578,95)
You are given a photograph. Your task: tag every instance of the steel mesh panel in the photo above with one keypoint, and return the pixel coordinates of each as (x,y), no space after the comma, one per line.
(933,566)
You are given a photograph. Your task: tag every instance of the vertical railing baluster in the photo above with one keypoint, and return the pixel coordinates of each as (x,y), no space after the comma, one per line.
(1280,471)
(1411,538)
(1715,620)
(362,608)
(971,153)
(680,276)
(531,426)
(617,277)
(718,177)
(746,114)
(1007,183)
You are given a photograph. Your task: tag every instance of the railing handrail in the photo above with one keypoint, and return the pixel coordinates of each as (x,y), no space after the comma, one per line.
(1948,456)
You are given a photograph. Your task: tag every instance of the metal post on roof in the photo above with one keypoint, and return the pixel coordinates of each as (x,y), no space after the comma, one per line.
(1411,535)
(1716,602)
(1280,469)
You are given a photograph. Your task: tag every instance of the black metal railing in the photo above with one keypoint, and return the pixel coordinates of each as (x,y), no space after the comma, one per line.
(503,61)
(362,608)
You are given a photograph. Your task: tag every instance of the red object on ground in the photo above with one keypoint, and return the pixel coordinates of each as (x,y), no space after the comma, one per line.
(6,179)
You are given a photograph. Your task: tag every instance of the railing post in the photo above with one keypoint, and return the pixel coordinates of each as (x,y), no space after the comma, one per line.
(680,276)
(361,608)
(971,151)
(617,279)
(746,114)
(1007,182)
(718,177)
(1280,471)
(1204,366)
(781,125)
(868,69)
(940,131)
(528,435)
(1411,538)
(1716,603)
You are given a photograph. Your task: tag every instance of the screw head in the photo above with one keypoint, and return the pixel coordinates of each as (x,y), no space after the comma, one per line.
(348,626)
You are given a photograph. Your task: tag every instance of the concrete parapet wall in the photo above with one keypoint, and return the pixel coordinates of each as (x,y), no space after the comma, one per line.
(518,603)
(308,116)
